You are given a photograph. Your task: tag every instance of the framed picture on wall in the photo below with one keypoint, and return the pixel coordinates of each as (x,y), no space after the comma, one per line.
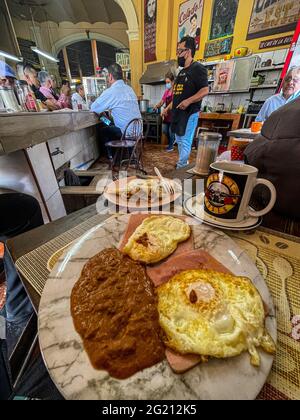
(273,17)
(223,18)
(190,20)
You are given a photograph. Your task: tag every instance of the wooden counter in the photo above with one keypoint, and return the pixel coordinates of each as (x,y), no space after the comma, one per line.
(19,131)
(235,119)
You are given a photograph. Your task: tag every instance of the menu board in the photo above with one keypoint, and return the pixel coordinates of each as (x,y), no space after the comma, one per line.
(150,14)
(29,56)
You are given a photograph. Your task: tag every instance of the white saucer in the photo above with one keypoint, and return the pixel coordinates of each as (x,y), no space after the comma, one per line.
(195,207)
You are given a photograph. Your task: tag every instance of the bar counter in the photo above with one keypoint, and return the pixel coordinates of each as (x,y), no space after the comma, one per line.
(36,148)
(24,129)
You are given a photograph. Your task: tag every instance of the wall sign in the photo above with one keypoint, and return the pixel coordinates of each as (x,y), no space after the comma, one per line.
(276,42)
(123,59)
(150,18)
(270,17)
(223,19)
(190,20)
(218,47)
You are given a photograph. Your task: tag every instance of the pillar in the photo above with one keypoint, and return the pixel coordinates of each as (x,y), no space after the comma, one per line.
(67,64)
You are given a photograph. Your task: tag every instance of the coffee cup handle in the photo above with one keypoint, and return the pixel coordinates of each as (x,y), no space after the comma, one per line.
(270,206)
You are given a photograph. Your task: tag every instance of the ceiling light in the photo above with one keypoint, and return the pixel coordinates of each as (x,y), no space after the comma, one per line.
(10,57)
(45,54)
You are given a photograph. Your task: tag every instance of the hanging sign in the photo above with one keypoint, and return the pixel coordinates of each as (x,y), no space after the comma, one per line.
(276,42)
(150,15)
(123,59)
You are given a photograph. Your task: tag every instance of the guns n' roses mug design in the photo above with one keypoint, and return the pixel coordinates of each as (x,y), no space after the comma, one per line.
(229,188)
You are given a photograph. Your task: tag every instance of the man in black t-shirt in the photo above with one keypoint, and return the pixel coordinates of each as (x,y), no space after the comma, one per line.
(191,86)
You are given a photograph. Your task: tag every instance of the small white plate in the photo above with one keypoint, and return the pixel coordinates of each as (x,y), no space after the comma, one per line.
(194,206)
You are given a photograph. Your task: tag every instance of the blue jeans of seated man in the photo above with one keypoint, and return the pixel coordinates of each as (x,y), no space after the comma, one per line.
(166,129)
(185,142)
(19,214)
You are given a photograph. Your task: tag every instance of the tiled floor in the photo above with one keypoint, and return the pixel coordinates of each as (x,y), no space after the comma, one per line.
(154,155)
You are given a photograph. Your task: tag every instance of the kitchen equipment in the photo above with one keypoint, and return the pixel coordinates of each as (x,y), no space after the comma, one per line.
(144,105)
(208,147)
(93,87)
(9,99)
(255,107)
(220,108)
(22,90)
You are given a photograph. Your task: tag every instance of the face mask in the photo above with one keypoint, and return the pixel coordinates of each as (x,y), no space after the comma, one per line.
(169,86)
(181,61)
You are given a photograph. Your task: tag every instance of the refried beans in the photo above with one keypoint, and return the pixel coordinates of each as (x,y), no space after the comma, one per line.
(114,309)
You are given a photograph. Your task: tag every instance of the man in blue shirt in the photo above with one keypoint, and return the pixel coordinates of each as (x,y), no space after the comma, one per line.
(121,101)
(291,85)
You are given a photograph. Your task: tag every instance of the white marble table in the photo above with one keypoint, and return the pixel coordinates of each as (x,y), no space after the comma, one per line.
(69,366)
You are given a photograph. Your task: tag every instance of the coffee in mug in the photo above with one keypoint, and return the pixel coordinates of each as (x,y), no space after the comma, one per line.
(228,192)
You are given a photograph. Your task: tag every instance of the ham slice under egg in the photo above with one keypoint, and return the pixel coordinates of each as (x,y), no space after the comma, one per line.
(185,258)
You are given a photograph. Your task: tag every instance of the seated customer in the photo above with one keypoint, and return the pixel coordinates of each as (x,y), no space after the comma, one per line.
(78,98)
(276,155)
(121,101)
(31,77)
(46,89)
(291,84)
(7,75)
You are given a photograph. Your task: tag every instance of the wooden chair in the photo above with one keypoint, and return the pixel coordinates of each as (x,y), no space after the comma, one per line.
(131,144)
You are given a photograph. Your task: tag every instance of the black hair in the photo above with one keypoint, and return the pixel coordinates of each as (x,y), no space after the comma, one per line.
(194,17)
(65,82)
(116,71)
(189,43)
(170,76)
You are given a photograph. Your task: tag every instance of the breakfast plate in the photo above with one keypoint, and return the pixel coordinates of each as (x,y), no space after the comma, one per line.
(70,367)
(194,206)
(135,193)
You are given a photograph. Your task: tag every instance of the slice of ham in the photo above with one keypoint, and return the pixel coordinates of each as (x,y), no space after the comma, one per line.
(192,260)
(184,258)
(137,219)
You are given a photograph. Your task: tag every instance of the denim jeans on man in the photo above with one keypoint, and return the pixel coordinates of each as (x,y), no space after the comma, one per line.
(166,129)
(19,214)
(185,142)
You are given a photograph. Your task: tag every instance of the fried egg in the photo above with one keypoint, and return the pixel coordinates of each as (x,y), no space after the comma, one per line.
(213,314)
(157,238)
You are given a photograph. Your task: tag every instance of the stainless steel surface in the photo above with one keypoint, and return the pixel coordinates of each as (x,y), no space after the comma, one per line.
(144,105)
(156,73)
(9,99)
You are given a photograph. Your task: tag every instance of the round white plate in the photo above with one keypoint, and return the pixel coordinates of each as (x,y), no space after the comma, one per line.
(110,195)
(194,206)
(68,363)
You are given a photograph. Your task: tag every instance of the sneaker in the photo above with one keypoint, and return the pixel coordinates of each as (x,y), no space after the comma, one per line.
(169,150)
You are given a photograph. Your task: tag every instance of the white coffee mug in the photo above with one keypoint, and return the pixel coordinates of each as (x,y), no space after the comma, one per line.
(228,192)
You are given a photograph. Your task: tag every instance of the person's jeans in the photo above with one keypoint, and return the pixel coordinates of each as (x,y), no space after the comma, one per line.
(166,129)
(185,142)
(108,134)
(19,214)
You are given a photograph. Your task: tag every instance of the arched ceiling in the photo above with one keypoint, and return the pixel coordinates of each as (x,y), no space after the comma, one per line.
(75,11)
